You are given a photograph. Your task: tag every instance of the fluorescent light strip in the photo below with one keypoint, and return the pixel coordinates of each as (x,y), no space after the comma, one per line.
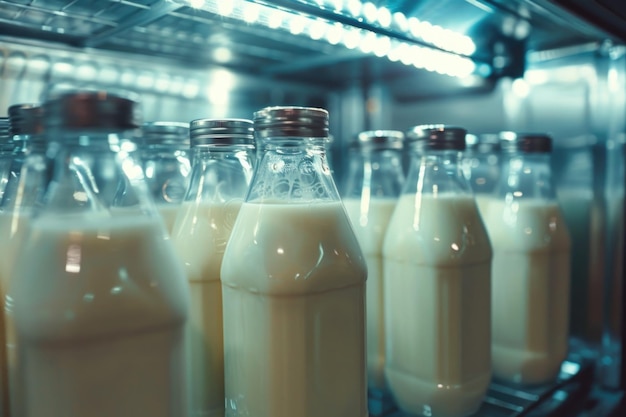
(334,33)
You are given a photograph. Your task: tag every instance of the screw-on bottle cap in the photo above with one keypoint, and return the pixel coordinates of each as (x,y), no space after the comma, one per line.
(222,132)
(5,128)
(512,142)
(165,133)
(437,137)
(91,110)
(26,119)
(380,139)
(281,122)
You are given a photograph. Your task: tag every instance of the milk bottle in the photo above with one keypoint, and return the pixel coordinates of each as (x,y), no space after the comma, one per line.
(437,257)
(293,282)
(531,265)
(27,180)
(165,159)
(97,295)
(481,166)
(374,181)
(223,152)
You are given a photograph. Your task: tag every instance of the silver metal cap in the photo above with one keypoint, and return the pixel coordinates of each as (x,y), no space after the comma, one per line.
(91,110)
(26,119)
(437,137)
(380,139)
(221,132)
(281,122)
(512,142)
(165,133)
(5,127)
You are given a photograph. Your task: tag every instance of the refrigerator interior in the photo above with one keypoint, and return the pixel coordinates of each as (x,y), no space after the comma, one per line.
(485,65)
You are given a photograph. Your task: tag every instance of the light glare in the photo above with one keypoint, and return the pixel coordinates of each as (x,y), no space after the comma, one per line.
(351,37)
(370,12)
(384,17)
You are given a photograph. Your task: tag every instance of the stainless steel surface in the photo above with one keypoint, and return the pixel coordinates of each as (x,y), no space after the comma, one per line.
(246,35)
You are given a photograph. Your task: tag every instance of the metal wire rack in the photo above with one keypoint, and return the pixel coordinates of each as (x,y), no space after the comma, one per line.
(572,385)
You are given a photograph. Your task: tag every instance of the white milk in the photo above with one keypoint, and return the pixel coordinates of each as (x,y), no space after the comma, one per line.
(437,312)
(99,305)
(482,201)
(200,238)
(169,213)
(530,292)
(13,227)
(293,282)
(370,224)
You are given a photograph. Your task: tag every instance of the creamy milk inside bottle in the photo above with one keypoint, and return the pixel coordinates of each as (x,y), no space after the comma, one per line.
(530,289)
(107,317)
(531,266)
(293,282)
(223,153)
(298,304)
(374,181)
(437,260)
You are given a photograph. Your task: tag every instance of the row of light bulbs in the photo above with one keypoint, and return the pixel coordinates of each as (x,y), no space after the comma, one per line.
(430,59)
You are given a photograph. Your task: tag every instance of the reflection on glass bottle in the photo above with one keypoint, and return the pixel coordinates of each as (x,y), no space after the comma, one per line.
(481,165)
(164,148)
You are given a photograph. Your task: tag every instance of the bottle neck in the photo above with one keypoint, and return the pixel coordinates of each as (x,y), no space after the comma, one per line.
(293,170)
(482,171)
(526,176)
(374,173)
(436,172)
(220,173)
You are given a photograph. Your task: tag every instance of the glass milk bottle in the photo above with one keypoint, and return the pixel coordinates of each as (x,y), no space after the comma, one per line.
(374,181)
(28,179)
(99,316)
(165,158)
(437,260)
(293,282)
(222,153)
(481,165)
(531,265)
